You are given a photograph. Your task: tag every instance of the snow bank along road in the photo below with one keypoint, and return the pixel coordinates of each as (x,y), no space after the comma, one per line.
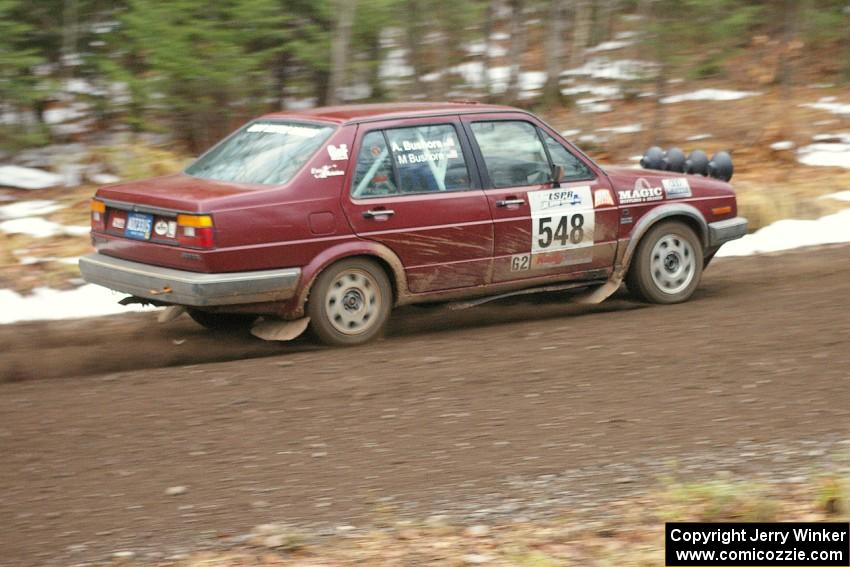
(521,408)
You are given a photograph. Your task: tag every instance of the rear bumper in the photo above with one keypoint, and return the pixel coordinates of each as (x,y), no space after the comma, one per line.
(189,288)
(723,231)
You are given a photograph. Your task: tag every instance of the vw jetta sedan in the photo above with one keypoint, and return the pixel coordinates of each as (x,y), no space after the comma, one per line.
(333,216)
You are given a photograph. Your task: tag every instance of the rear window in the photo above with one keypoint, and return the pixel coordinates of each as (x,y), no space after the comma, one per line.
(264,153)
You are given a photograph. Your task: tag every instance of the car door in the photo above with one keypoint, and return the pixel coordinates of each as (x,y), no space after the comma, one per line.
(542,228)
(415,189)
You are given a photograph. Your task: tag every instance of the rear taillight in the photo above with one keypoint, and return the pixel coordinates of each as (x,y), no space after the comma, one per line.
(98,215)
(195,231)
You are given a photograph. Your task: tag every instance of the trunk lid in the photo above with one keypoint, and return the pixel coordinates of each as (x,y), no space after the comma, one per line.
(178,192)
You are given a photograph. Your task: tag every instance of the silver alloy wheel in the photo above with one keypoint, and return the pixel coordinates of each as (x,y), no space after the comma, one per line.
(353,302)
(672,263)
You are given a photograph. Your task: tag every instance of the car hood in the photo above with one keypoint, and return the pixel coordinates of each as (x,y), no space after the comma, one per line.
(624,177)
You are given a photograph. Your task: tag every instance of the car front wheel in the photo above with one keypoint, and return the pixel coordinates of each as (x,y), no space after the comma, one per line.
(667,266)
(350,302)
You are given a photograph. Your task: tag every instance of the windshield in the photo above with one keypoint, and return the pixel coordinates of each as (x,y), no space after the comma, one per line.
(267,153)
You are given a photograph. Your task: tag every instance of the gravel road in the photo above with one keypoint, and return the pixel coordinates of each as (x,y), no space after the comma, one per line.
(119,434)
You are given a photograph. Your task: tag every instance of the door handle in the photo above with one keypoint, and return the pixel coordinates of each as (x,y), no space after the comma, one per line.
(509,202)
(372,213)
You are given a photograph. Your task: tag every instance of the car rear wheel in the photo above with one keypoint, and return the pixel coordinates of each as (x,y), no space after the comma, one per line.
(668,264)
(350,302)
(222,321)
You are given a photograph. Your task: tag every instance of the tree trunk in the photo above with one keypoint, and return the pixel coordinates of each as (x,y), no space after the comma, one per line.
(656,22)
(786,63)
(339,49)
(554,53)
(581,31)
(487,31)
(516,50)
(414,38)
(70,23)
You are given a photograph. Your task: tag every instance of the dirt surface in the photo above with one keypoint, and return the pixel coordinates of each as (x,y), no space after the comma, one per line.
(521,408)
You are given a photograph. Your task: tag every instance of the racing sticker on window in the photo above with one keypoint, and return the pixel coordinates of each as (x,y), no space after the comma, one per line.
(338,153)
(561,219)
(422,150)
(676,187)
(326,171)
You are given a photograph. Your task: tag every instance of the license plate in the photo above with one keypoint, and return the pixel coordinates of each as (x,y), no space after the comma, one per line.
(138,226)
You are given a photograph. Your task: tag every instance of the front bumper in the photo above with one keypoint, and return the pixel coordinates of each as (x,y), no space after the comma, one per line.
(180,287)
(723,231)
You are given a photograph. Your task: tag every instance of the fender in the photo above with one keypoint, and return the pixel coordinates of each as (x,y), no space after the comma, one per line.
(294,308)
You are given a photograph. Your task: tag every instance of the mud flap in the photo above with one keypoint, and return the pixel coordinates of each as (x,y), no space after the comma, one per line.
(170,313)
(277,330)
(599,294)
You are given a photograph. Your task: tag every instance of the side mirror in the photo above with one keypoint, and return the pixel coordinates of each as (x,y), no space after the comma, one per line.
(557,175)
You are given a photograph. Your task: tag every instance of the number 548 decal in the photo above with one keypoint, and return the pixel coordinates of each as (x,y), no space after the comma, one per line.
(561,219)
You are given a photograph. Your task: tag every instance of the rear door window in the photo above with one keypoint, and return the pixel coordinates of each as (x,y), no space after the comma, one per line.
(404,161)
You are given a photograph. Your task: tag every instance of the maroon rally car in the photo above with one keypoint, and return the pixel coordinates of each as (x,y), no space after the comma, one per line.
(332,216)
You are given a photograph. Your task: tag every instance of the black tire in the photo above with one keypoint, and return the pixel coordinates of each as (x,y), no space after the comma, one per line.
(667,265)
(350,302)
(222,321)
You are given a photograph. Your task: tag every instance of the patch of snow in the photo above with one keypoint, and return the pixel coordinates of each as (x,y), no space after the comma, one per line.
(617,70)
(782,146)
(828,103)
(603,91)
(629,34)
(570,133)
(395,65)
(48,304)
(480,47)
(35,207)
(531,80)
(791,233)
(358,91)
(825,154)
(589,105)
(842,138)
(38,227)
(499,36)
(103,178)
(300,103)
(840,196)
(625,129)
(709,94)
(697,137)
(610,46)
(29,260)
(62,114)
(589,138)
(27,178)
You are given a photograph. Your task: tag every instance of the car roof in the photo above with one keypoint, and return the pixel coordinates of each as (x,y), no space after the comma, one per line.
(365,112)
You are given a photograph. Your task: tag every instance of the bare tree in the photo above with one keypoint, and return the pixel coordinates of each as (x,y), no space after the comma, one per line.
(517,48)
(487,32)
(581,31)
(554,52)
(415,33)
(340,48)
(786,63)
(70,25)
